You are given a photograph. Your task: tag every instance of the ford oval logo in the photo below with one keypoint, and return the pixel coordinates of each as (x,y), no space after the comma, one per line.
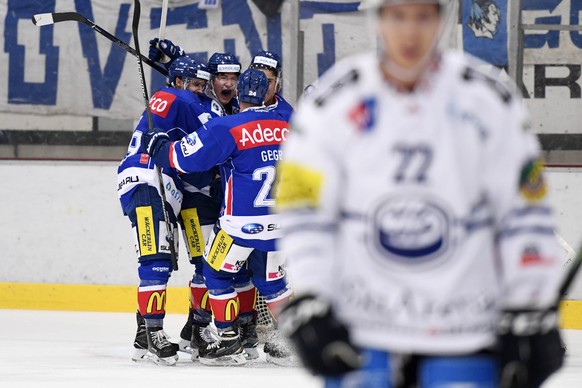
(412,229)
(252,228)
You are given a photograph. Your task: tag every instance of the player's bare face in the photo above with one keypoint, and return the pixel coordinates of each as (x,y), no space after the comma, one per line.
(272,79)
(196,85)
(224,85)
(408,32)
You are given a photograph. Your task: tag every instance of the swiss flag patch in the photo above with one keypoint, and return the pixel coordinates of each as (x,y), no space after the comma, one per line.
(161,102)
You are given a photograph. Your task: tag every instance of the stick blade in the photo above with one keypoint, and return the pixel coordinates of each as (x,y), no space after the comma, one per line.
(43,19)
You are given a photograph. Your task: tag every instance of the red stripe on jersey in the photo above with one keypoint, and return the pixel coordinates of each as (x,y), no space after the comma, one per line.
(260,133)
(171,155)
(228,199)
(161,102)
(144,158)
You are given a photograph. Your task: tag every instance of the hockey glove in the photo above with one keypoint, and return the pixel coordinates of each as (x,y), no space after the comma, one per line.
(529,347)
(164,51)
(322,341)
(156,143)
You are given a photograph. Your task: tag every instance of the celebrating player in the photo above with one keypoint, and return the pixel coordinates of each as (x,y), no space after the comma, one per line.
(201,207)
(277,349)
(177,111)
(419,237)
(246,147)
(225,70)
(270,63)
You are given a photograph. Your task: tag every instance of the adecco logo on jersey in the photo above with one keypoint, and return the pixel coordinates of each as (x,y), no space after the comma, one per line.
(260,133)
(161,102)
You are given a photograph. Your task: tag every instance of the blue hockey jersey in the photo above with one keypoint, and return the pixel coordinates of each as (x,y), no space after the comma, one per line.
(282,106)
(178,113)
(246,148)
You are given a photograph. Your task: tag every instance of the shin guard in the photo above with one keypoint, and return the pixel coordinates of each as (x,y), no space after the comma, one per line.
(247,298)
(152,301)
(225,309)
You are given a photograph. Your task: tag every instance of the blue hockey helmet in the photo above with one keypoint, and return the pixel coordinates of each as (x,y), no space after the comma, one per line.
(223,63)
(252,87)
(201,71)
(186,68)
(267,60)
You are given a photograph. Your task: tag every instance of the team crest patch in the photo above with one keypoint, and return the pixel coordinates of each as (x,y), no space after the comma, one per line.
(363,116)
(531,183)
(190,144)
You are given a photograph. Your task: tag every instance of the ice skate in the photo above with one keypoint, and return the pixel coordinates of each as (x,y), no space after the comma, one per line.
(226,349)
(162,351)
(201,336)
(140,343)
(186,337)
(249,340)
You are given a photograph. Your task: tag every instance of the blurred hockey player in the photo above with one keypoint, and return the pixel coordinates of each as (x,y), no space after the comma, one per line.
(246,147)
(417,228)
(178,112)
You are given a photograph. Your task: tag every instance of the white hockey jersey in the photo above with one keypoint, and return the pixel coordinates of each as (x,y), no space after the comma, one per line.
(418,214)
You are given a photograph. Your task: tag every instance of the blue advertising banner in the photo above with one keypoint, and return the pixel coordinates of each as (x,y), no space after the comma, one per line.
(68,68)
(485,30)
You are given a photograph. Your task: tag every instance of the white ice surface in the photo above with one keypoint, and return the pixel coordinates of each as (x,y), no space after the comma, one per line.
(82,349)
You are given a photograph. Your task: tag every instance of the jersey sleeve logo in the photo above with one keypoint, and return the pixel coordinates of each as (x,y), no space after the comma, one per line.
(190,144)
(260,133)
(161,102)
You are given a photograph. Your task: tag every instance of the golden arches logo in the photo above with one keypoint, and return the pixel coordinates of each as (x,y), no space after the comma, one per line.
(231,310)
(205,302)
(159,298)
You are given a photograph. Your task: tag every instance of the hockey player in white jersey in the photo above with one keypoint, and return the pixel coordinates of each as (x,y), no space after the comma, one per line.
(417,228)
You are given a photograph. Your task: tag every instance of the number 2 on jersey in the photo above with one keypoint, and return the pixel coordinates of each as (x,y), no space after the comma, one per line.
(267,175)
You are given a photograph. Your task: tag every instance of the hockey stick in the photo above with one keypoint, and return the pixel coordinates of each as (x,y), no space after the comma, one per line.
(570,275)
(45,19)
(162,32)
(134,28)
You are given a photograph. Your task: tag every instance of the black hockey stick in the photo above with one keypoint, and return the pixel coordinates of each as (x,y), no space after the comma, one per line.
(146,100)
(45,19)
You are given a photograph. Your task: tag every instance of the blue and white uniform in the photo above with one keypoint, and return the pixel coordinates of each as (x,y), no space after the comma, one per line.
(282,106)
(178,113)
(245,147)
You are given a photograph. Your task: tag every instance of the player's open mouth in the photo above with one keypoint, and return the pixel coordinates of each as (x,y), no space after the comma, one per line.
(226,93)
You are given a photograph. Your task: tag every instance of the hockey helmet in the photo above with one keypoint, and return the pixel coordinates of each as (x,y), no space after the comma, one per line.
(185,68)
(252,87)
(223,63)
(267,60)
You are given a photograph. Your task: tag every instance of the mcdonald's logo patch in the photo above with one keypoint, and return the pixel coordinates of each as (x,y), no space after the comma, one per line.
(151,301)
